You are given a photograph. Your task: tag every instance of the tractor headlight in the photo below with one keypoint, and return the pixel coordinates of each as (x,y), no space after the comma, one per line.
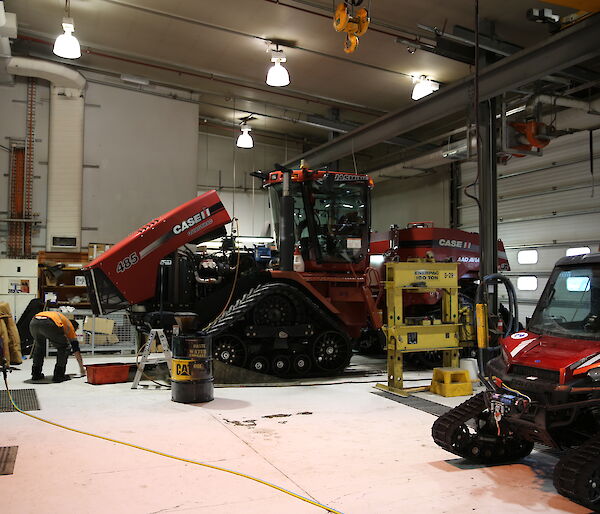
(594,374)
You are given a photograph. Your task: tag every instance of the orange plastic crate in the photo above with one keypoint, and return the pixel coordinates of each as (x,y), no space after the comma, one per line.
(112,373)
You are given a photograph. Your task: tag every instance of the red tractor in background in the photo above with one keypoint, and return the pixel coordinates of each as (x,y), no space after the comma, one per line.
(423,242)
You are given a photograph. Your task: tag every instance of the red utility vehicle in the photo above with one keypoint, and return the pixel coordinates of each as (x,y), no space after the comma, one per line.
(543,388)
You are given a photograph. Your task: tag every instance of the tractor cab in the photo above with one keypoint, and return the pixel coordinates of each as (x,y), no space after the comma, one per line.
(331,217)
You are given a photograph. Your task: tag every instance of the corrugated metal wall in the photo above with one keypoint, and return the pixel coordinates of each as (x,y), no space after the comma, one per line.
(545,203)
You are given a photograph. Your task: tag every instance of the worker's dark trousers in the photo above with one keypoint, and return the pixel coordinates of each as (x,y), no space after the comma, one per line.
(42,329)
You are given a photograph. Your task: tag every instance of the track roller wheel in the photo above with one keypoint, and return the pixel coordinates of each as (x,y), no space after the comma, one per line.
(281,365)
(275,310)
(331,351)
(301,364)
(230,349)
(259,364)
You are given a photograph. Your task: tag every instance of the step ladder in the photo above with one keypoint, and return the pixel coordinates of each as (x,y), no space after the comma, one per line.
(157,334)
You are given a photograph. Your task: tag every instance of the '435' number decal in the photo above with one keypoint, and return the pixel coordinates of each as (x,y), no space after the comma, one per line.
(127,262)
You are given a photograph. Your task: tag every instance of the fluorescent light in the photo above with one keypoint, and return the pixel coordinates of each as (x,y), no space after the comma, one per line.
(423,86)
(66,45)
(244,140)
(134,79)
(277,75)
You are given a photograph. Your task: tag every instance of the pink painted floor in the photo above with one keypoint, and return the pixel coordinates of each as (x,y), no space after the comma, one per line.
(340,444)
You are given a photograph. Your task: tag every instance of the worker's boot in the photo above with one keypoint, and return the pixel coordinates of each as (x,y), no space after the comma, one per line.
(36,374)
(59,374)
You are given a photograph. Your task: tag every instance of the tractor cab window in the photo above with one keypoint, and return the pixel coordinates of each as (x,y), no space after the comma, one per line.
(570,304)
(331,215)
(341,220)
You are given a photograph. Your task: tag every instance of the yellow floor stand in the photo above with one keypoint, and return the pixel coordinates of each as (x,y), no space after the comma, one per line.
(451,382)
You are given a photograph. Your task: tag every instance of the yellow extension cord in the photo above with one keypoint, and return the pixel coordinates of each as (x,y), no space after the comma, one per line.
(189,461)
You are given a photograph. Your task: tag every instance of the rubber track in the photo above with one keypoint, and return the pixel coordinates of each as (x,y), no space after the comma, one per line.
(446,425)
(499,450)
(567,473)
(237,312)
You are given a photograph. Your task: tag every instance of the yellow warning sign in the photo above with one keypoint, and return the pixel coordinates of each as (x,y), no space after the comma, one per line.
(181,369)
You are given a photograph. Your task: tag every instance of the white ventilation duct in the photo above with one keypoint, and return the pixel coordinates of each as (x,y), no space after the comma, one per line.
(8,29)
(65,149)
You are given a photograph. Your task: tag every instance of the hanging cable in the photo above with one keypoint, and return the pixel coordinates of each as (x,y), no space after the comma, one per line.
(476,109)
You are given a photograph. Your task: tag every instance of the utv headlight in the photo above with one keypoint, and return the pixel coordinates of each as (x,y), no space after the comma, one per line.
(594,374)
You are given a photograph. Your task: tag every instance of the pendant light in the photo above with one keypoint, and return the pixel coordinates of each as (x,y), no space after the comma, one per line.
(66,45)
(423,86)
(277,75)
(244,140)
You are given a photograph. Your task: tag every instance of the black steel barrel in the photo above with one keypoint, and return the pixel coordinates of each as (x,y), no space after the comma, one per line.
(192,378)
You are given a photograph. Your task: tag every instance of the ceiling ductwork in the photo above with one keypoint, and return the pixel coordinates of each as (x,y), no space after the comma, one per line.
(8,29)
(563,101)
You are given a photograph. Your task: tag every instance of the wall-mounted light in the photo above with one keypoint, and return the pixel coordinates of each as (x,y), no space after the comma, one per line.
(66,45)
(423,86)
(244,140)
(278,76)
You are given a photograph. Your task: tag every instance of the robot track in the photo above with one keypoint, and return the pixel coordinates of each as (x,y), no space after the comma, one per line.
(470,431)
(577,474)
(274,328)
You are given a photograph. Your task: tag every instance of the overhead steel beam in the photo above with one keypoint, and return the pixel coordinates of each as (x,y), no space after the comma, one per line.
(344,127)
(568,48)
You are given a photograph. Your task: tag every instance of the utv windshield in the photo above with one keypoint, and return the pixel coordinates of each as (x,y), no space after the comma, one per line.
(570,304)
(336,213)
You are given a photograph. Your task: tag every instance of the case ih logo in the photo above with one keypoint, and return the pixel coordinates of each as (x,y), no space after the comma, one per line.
(454,243)
(191,221)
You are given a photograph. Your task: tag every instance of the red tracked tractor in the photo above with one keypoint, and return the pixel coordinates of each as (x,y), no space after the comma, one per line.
(278,321)
(287,320)
(544,387)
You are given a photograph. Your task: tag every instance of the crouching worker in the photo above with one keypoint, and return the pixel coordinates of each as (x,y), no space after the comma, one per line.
(60,331)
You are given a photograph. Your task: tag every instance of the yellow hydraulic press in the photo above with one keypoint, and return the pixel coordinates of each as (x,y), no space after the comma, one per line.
(412,334)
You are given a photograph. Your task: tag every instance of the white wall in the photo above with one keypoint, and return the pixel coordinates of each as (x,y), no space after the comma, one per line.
(416,199)
(146,147)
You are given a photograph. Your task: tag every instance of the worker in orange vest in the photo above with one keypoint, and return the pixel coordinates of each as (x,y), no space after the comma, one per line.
(60,331)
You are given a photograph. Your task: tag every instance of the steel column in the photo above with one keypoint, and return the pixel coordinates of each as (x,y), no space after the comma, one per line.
(568,48)
(488,196)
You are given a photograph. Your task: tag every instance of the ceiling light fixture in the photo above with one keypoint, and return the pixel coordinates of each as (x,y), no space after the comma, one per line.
(66,45)
(244,140)
(423,86)
(278,76)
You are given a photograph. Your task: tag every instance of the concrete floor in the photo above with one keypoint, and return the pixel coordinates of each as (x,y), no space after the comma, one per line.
(340,444)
